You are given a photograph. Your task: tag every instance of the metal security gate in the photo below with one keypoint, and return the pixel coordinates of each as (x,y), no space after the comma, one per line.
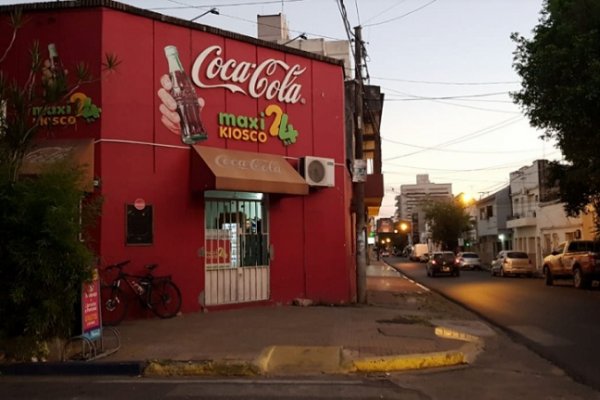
(236,248)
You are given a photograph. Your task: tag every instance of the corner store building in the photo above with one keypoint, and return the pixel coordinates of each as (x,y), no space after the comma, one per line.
(230,218)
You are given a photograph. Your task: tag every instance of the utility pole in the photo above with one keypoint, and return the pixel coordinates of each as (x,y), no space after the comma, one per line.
(359,187)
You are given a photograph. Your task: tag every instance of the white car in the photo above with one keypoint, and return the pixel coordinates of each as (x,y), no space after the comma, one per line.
(509,262)
(468,260)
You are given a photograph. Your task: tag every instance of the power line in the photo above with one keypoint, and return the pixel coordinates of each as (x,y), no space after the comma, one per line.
(492,168)
(448,83)
(181,5)
(273,26)
(466,137)
(386,10)
(357,12)
(402,16)
(459,151)
(416,97)
(462,96)
(347,27)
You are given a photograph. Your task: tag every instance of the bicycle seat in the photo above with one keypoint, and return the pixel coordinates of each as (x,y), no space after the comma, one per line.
(151,267)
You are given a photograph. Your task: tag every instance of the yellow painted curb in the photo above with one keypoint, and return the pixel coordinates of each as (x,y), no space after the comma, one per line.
(449,333)
(408,362)
(262,361)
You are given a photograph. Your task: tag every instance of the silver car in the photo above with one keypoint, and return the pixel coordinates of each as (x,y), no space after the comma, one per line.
(509,262)
(468,260)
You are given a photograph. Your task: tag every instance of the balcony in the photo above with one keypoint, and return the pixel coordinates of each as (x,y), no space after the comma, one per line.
(521,220)
(374,193)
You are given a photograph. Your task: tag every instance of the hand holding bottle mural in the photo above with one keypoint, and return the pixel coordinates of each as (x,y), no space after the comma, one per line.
(53,71)
(181,105)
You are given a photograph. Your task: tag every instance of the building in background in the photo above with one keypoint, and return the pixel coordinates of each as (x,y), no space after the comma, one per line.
(526,185)
(492,235)
(274,28)
(411,198)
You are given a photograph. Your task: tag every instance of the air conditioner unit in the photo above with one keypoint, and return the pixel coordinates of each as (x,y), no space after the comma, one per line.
(318,171)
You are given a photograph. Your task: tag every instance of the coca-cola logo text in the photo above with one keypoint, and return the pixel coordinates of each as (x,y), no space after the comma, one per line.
(255,164)
(255,80)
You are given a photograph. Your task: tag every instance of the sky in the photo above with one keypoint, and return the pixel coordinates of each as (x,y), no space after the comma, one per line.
(444,66)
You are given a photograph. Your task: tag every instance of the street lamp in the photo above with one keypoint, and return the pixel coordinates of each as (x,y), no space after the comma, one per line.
(211,11)
(300,36)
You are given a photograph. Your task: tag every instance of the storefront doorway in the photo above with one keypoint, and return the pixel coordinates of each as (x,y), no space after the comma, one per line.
(236,247)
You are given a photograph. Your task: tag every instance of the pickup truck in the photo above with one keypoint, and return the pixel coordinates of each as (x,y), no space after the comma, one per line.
(578,260)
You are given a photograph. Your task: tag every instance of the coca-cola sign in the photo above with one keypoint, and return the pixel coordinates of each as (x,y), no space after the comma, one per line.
(255,164)
(251,79)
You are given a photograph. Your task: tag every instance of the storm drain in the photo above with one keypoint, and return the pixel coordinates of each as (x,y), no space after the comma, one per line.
(406,320)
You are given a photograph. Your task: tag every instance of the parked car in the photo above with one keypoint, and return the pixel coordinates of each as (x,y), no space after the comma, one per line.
(442,262)
(468,260)
(578,260)
(385,253)
(509,262)
(417,251)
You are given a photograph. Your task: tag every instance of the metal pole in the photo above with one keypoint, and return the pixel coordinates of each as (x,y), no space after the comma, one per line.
(359,187)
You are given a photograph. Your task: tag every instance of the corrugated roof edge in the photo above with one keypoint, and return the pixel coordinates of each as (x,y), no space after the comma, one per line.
(54,5)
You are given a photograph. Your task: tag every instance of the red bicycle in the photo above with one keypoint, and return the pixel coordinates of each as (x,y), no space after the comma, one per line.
(157,293)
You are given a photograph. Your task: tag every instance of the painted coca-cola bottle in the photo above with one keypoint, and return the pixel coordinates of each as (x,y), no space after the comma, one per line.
(192,129)
(56,68)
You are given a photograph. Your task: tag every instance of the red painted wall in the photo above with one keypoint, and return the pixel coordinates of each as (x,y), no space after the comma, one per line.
(137,157)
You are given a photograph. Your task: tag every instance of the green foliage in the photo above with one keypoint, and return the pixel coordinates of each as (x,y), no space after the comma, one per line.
(448,220)
(560,93)
(42,261)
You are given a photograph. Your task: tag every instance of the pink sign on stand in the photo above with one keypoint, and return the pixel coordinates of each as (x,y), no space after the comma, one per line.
(91,325)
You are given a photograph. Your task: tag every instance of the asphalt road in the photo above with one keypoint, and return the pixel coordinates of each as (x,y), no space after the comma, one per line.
(560,322)
(77,387)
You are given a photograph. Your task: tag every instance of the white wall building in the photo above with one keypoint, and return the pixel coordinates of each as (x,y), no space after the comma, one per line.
(274,28)
(538,220)
(525,197)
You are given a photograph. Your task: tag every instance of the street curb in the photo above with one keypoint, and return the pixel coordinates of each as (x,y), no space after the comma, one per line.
(410,362)
(465,355)
(153,368)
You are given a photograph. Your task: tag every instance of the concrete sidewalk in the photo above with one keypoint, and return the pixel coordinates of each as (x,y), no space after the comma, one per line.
(404,326)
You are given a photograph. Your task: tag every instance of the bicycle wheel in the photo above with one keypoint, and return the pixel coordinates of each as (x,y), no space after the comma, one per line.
(114,304)
(165,299)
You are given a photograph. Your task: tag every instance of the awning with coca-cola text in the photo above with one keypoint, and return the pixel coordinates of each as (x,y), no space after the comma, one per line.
(221,169)
(78,152)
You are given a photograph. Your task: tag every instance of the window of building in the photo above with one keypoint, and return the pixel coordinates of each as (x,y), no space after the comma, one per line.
(547,243)
(555,240)
(490,211)
(236,230)
(139,225)
(569,236)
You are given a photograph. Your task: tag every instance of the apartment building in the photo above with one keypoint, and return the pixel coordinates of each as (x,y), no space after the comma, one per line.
(412,196)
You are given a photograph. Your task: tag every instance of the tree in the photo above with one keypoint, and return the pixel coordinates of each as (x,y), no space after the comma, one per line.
(43,261)
(560,94)
(448,221)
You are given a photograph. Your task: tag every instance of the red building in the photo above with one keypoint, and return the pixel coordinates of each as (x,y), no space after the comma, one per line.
(245,215)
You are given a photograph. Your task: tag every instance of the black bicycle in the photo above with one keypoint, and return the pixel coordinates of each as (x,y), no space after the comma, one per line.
(157,293)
